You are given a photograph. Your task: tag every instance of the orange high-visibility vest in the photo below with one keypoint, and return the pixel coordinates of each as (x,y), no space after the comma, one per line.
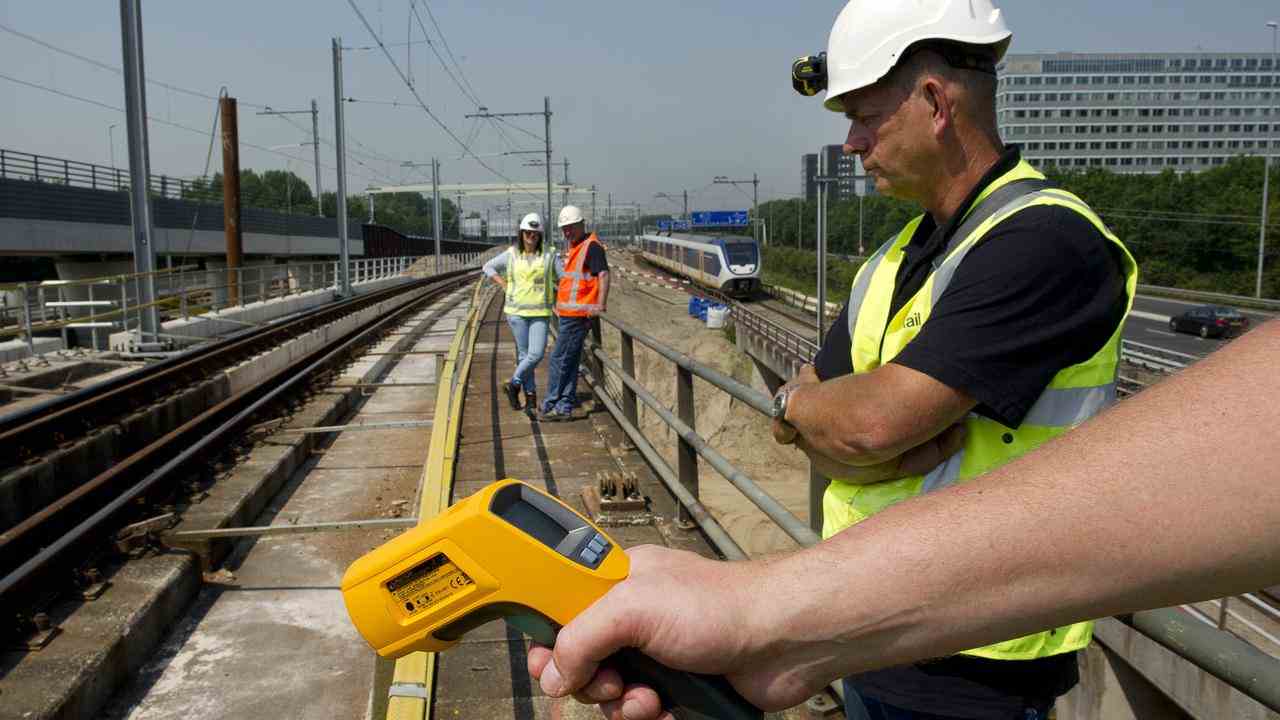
(578,293)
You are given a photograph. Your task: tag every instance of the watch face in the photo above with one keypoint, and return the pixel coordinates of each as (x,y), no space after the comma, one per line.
(779,404)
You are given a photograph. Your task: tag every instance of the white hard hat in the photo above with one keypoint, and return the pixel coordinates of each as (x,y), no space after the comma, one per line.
(532,221)
(569,215)
(870,36)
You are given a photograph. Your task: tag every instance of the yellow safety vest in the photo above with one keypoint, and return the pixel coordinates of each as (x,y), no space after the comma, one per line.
(1074,394)
(530,284)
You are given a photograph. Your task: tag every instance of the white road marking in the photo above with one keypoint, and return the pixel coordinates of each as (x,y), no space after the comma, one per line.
(1149,316)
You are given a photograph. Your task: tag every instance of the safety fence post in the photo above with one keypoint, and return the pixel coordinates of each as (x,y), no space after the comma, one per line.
(817,487)
(597,369)
(26,320)
(629,405)
(685,453)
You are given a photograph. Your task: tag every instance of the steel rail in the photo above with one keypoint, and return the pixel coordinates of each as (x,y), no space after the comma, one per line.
(44,426)
(197,437)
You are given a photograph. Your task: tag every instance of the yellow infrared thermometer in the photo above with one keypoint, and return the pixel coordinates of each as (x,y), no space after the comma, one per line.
(512,552)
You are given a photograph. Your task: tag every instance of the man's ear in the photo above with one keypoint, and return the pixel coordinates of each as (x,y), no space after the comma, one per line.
(933,92)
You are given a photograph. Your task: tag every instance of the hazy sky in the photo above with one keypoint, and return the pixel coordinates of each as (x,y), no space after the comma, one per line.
(648,97)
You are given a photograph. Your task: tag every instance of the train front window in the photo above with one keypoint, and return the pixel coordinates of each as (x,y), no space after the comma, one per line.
(740,253)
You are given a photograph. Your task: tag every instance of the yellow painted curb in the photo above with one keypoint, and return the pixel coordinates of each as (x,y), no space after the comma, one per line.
(418,669)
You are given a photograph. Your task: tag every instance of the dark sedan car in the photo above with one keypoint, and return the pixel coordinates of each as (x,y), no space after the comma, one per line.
(1210,321)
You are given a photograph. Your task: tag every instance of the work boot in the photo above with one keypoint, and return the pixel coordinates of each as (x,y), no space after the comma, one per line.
(531,405)
(513,394)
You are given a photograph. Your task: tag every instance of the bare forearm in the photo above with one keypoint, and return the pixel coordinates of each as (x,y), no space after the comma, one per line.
(604,289)
(1139,508)
(869,419)
(854,474)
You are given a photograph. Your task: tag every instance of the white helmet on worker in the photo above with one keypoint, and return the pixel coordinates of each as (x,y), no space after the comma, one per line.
(532,221)
(871,36)
(569,215)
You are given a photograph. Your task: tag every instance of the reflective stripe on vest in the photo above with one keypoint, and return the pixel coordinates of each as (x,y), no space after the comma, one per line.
(530,288)
(579,291)
(1073,395)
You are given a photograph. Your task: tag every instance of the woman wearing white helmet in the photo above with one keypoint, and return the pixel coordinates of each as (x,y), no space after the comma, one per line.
(527,273)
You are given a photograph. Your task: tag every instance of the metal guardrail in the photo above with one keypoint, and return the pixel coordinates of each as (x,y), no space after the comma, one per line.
(798,346)
(1211,297)
(19,165)
(1155,358)
(1148,356)
(1216,651)
(800,300)
(110,303)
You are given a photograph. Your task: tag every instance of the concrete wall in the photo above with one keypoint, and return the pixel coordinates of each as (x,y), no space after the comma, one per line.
(44,218)
(31,236)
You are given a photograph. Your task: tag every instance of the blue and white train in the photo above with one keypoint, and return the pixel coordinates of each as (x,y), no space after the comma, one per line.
(728,263)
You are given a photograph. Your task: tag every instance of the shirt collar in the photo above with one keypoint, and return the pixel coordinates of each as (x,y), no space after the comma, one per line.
(1007,162)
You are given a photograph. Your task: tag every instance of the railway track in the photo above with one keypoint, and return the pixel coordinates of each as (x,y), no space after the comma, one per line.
(67,548)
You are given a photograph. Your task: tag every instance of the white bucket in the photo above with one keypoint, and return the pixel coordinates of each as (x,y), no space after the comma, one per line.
(716,315)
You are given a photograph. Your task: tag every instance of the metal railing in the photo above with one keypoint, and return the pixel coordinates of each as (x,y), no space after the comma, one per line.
(110,303)
(1148,356)
(800,300)
(1155,358)
(798,346)
(1211,297)
(1220,653)
(17,165)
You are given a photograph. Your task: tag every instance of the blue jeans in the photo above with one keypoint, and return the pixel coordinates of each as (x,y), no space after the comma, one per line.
(865,708)
(562,369)
(531,343)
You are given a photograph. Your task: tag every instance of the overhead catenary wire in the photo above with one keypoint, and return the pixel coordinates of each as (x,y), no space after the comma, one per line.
(447,49)
(465,93)
(192,93)
(151,118)
(386,53)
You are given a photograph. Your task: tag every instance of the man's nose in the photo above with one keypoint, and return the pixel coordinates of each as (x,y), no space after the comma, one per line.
(857,141)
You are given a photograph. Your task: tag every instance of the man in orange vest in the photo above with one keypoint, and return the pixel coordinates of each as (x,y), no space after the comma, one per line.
(580,299)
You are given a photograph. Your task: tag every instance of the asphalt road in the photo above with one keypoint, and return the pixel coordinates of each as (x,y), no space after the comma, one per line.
(1149,324)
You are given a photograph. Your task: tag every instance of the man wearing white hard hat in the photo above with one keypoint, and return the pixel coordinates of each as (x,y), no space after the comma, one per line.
(987,326)
(582,296)
(527,274)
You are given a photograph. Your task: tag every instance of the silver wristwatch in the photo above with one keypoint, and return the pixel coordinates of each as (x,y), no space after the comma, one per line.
(779,409)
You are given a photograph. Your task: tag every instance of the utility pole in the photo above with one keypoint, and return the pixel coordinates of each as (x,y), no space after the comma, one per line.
(231,196)
(135,93)
(315,149)
(608,214)
(566,181)
(593,207)
(370,196)
(1266,178)
(823,181)
(686,206)
(435,208)
(754,182)
(314,112)
(546,109)
(461,218)
(546,114)
(340,140)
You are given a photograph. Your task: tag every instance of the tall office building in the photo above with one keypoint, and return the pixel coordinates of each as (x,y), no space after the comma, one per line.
(846,169)
(809,171)
(1139,112)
